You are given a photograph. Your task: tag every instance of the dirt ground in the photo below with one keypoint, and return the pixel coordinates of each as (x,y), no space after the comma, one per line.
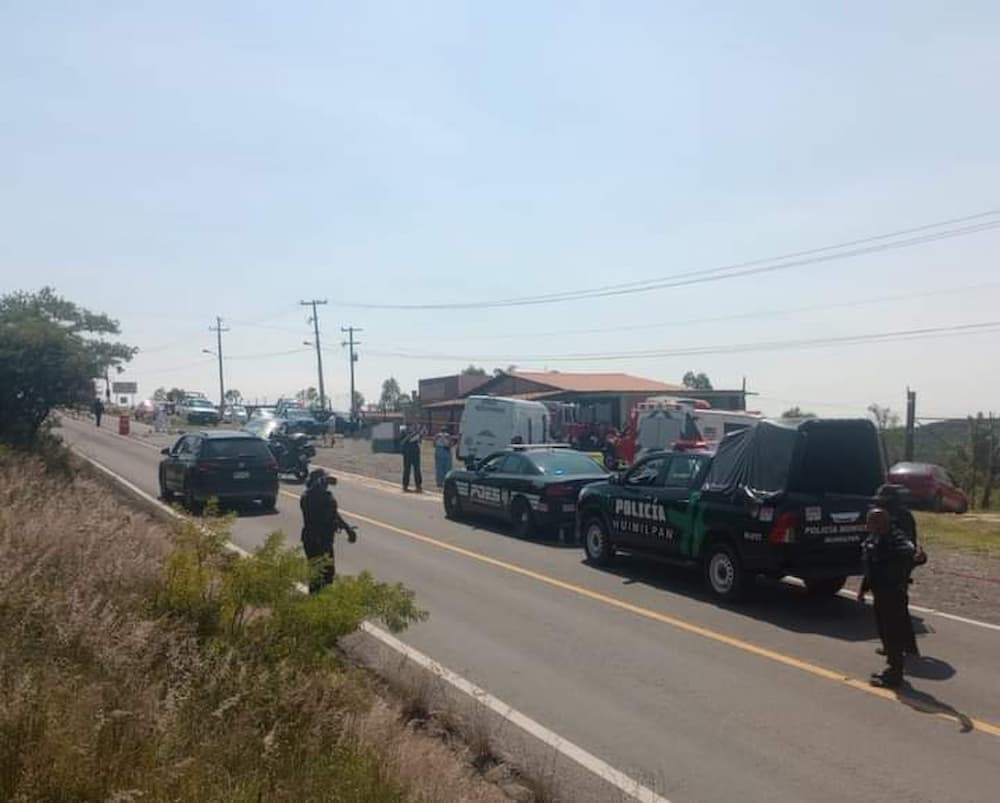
(961,577)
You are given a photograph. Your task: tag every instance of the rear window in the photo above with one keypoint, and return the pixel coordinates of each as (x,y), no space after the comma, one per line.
(236,447)
(565,463)
(838,458)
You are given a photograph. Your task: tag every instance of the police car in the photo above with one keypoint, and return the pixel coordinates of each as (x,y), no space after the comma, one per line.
(772,500)
(532,487)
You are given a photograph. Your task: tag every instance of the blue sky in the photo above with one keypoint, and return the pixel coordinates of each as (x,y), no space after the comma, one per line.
(169,162)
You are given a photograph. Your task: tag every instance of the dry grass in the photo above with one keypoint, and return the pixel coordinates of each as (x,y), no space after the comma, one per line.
(975,533)
(103,696)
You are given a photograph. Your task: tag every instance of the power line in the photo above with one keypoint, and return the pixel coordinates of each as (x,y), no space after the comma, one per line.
(918,235)
(735,348)
(674,323)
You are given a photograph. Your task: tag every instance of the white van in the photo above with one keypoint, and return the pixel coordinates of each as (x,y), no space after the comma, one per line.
(490,423)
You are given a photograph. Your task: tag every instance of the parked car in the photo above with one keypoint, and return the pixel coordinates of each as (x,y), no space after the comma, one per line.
(301,420)
(227,465)
(234,414)
(198,411)
(533,488)
(144,410)
(929,486)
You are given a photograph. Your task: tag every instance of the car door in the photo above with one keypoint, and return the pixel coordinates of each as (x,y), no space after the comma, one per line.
(188,458)
(635,508)
(681,475)
(484,486)
(173,468)
(516,478)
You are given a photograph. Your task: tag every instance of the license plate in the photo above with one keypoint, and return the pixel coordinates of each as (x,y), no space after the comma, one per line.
(241,475)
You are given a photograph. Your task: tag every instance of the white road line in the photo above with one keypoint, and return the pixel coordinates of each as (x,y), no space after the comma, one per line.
(377,484)
(588,761)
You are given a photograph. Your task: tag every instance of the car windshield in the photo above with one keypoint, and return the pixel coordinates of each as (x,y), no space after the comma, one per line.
(560,463)
(236,447)
(201,403)
(296,412)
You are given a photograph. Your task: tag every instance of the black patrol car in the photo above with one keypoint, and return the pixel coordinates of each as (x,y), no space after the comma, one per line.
(533,487)
(774,499)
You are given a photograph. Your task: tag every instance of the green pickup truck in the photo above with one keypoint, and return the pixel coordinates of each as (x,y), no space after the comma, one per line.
(773,499)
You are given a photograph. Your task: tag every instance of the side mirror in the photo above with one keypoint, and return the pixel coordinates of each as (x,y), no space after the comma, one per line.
(165,450)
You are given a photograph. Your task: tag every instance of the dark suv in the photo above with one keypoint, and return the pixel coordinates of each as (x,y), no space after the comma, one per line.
(231,466)
(774,500)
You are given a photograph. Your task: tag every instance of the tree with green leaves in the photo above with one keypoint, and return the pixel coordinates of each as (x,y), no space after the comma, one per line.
(389,400)
(160,394)
(308,395)
(698,381)
(359,400)
(51,350)
(473,370)
(176,394)
(233,396)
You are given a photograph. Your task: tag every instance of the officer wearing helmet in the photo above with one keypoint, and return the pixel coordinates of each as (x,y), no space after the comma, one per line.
(890,498)
(887,557)
(320,522)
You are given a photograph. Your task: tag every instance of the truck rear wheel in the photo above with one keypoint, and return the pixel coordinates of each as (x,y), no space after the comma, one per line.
(724,572)
(824,586)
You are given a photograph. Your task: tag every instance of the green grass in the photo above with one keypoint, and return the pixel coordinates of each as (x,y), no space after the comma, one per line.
(974,533)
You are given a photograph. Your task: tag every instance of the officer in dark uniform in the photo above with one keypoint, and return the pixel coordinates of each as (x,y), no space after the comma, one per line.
(98,408)
(410,446)
(887,557)
(890,498)
(320,522)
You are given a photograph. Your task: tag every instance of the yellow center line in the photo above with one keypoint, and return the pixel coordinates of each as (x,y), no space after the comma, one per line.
(681,624)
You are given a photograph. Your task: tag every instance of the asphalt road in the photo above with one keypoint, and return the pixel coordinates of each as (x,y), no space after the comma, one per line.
(765,701)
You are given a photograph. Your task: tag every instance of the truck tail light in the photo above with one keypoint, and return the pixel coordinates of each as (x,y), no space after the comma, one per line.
(272,464)
(784,529)
(209,465)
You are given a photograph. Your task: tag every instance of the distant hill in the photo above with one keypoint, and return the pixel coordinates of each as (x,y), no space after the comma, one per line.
(936,442)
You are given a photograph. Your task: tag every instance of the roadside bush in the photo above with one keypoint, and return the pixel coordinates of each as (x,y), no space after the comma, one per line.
(139,664)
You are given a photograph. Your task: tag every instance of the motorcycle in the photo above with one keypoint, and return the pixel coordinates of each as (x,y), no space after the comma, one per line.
(292,453)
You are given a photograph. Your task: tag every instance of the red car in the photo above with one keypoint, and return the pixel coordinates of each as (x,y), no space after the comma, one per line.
(930,486)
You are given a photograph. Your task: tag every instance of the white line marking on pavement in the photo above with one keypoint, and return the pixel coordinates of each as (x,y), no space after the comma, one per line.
(377,484)
(588,761)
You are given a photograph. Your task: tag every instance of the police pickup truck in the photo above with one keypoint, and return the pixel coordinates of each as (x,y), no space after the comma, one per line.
(774,500)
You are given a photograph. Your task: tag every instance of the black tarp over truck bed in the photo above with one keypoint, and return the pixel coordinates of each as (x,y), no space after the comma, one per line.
(820,456)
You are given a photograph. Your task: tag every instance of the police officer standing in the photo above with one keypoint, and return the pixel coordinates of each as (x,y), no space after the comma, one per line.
(320,522)
(410,444)
(890,498)
(98,408)
(887,557)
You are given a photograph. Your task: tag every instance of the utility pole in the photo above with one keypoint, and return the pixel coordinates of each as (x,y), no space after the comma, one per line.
(353,357)
(319,354)
(219,329)
(911,420)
